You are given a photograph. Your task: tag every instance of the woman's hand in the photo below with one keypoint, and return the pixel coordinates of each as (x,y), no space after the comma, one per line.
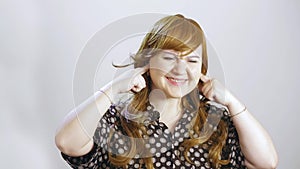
(131,80)
(259,151)
(213,90)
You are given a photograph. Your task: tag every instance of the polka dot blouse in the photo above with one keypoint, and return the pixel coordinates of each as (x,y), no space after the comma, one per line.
(164,146)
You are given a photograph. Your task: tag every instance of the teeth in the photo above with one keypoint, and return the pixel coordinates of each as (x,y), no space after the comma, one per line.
(177,80)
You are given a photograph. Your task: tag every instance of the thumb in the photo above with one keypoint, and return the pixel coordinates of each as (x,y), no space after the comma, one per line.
(204,78)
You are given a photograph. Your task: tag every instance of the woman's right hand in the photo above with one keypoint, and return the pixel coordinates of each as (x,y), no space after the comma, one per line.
(131,80)
(75,136)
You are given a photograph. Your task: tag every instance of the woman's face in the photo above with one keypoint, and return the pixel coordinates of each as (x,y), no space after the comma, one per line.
(174,74)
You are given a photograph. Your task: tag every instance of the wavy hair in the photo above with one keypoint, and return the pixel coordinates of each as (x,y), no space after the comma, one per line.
(184,35)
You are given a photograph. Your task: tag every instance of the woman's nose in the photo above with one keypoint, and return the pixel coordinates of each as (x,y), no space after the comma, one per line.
(179,67)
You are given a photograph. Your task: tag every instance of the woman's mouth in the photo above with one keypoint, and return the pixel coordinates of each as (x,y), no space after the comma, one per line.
(176,81)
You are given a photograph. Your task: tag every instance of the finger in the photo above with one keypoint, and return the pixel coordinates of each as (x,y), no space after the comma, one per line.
(142,82)
(133,91)
(206,88)
(206,83)
(210,94)
(141,70)
(138,84)
(204,78)
(137,88)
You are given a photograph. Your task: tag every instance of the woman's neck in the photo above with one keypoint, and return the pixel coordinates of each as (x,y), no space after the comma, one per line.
(169,108)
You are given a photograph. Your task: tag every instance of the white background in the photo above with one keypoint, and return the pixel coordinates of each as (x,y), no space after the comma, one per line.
(40,41)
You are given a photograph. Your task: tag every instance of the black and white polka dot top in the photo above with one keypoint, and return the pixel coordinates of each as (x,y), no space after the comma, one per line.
(164,146)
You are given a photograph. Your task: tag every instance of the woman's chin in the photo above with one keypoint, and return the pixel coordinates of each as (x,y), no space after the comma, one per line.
(175,94)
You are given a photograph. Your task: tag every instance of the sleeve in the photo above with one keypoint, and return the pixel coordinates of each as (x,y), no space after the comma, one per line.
(88,160)
(98,154)
(232,147)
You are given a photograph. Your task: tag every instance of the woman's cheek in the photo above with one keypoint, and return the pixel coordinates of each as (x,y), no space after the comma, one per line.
(196,73)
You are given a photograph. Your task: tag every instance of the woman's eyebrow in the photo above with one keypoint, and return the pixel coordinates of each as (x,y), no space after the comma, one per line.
(170,52)
(177,55)
(194,56)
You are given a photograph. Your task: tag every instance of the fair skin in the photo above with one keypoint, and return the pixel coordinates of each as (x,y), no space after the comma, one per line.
(174,77)
(170,83)
(255,142)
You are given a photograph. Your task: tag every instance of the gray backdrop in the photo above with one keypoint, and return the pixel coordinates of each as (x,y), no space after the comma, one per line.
(257,43)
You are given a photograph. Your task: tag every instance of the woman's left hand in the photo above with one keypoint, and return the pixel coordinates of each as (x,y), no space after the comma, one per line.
(259,151)
(213,90)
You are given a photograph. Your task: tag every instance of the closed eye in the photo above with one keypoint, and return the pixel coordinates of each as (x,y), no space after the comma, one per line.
(193,59)
(169,58)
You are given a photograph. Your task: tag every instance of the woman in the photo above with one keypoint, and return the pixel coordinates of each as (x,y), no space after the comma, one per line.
(172,121)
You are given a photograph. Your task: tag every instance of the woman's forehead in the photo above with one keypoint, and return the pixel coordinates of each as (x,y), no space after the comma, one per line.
(196,52)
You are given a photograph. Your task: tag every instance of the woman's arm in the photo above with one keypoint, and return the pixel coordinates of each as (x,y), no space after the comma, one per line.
(255,142)
(75,135)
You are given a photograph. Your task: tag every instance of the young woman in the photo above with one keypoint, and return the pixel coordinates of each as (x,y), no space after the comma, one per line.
(172,121)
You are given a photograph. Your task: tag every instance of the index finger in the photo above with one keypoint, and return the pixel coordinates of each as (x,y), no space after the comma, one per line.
(142,70)
(204,78)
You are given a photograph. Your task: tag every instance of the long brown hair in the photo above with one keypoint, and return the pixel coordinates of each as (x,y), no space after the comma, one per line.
(184,35)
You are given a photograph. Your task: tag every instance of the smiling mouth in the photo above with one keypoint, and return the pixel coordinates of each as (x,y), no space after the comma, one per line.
(175,81)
